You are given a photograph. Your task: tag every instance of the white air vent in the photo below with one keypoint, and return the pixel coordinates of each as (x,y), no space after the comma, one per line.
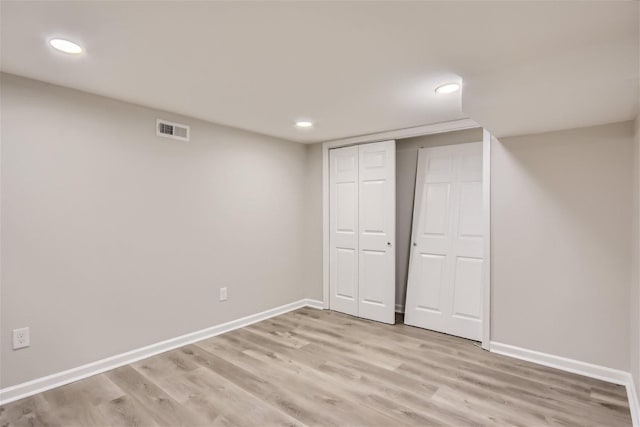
(172,130)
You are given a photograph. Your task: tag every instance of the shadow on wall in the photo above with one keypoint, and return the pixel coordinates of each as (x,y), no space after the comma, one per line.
(579,187)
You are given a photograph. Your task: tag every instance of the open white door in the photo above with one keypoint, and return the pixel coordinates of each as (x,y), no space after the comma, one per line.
(362,231)
(445,284)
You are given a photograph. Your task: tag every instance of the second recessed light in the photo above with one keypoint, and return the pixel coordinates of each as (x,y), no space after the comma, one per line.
(65,46)
(448,88)
(304,124)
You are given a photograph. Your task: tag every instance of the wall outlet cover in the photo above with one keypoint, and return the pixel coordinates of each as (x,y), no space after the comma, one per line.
(223,294)
(21,338)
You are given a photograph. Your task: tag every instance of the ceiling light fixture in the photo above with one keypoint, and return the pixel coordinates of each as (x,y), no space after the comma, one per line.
(448,88)
(65,46)
(304,124)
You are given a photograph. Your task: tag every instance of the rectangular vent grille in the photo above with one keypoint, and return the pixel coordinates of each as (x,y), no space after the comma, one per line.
(172,130)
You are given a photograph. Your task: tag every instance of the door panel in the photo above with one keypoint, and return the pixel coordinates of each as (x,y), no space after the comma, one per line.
(444,290)
(346,198)
(467,294)
(435,223)
(429,297)
(470,210)
(372,216)
(346,273)
(377,226)
(343,219)
(373,275)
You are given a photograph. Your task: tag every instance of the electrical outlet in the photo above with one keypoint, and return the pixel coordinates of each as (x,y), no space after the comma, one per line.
(20,338)
(223,294)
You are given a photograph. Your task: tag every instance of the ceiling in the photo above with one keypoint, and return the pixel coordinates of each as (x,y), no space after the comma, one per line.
(352,67)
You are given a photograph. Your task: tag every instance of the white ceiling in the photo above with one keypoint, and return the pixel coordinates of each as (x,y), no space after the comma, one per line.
(352,67)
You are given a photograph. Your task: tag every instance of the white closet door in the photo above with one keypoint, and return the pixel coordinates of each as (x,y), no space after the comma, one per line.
(343,224)
(444,290)
(362,231)
(377,227)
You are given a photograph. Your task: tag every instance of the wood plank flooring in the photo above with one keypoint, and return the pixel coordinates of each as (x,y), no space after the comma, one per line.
(321,368)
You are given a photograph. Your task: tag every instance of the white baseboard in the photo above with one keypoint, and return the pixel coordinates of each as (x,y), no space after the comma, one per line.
(314,303)
(399,308)
(570,365)
(577,367)
(29,388)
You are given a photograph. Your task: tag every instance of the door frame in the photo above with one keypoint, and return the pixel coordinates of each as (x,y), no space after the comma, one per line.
(486,201)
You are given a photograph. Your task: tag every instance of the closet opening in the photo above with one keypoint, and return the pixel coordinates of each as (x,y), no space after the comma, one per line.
(440,242)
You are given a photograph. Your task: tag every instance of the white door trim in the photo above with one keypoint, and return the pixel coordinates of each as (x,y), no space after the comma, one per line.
(405,133)
(486,249)
(408,133)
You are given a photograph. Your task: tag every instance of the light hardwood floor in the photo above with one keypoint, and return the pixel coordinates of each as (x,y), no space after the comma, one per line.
(321,368)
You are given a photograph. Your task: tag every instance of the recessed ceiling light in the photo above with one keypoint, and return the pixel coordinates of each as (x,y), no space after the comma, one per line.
(448,88)
(65,46)
(304,124)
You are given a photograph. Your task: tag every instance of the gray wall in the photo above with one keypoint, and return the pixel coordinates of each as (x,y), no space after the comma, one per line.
(113,238)
(561,243)
(406,165)
(313,235)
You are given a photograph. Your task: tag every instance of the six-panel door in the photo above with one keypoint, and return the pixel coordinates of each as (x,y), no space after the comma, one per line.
(377,225)
(343,224)
(362,230)
(444,290)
